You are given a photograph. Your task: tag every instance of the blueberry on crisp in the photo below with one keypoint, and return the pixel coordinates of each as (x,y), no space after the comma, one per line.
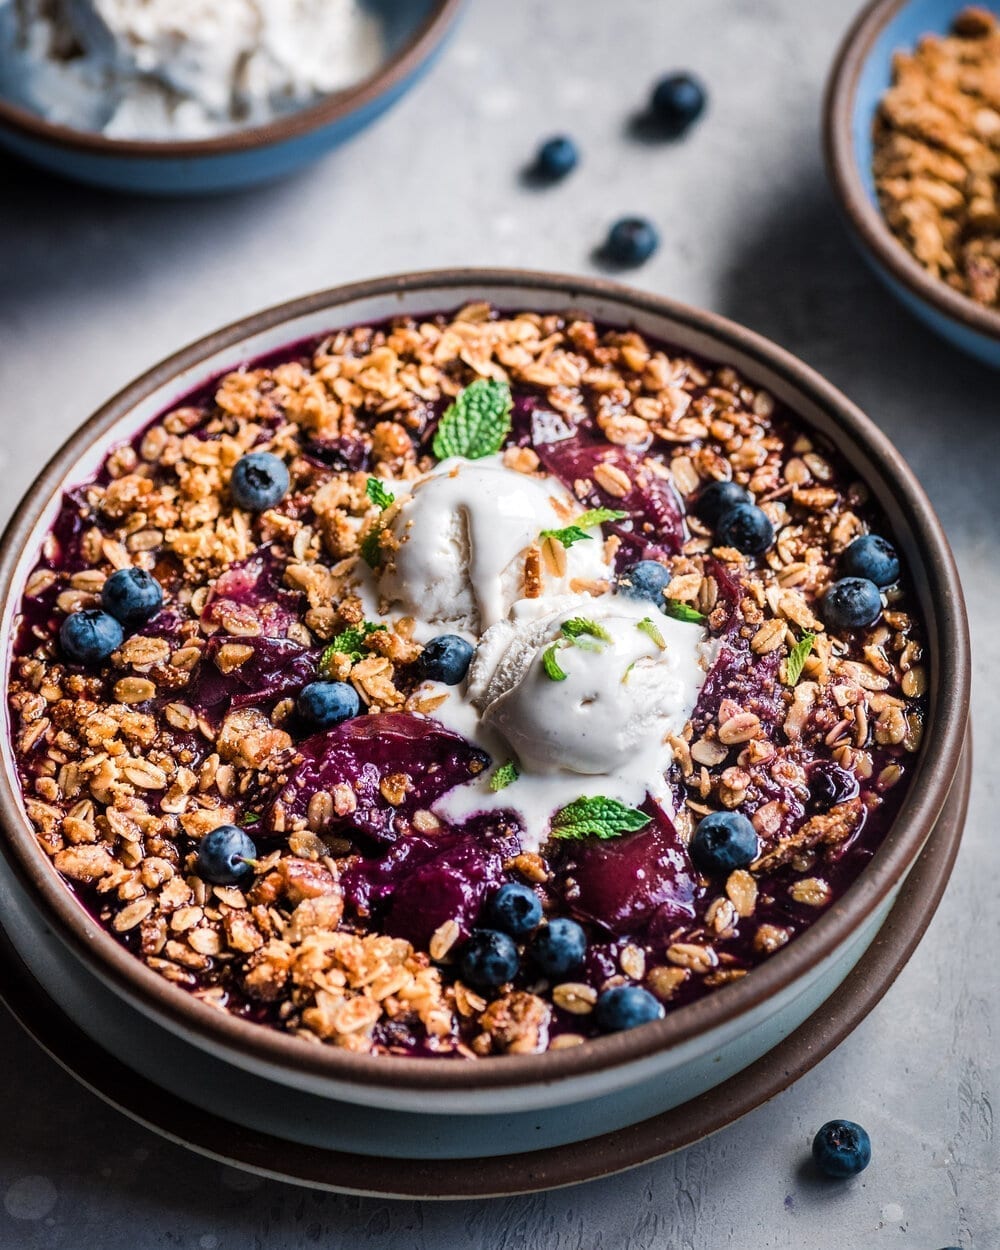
(328,703)
(556,158)
(647,579)
(515,909)
(630,242)
(223,855)
(259,481)
(489,959)
(90,636)
(626,1007)
(559,947)
(446,658)
(745,527)
(678,100)
(873,557)
(851,603)
(842,1148)
(132,596)
(717,498)
(723,842)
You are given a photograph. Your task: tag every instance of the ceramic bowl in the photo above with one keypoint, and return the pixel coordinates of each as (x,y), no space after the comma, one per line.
(860,76)
(415,31)
(611,1081)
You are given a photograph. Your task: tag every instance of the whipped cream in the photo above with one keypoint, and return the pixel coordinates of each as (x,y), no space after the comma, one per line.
(180,69)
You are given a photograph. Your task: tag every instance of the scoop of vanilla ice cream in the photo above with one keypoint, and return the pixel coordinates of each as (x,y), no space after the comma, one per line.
(463,536)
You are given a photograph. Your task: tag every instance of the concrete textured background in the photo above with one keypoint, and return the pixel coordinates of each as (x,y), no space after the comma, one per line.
(94,289)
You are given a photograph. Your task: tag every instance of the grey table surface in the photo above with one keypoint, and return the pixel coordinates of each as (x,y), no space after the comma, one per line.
(95,288)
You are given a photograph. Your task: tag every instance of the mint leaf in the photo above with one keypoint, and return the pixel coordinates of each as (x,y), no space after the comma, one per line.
(648,626)
(377,493)
(577,626)
(683,612)
(371,547)
(598,516)
(504,775)
(551,664)
(797,657)
(596,817)
(348,643)
(477,423)
(251,818)
(574,533)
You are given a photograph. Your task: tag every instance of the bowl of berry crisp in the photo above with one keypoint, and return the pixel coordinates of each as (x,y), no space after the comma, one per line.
(506,703)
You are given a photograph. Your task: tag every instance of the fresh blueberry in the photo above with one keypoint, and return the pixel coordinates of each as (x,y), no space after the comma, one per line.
(873,557)
(489,959)
(328,703)
(556,158)
(515,909)
(851,603)
(630,242)
(222,855)
(559,947)
(626,1007)
(446,658)
(829,785)
(132,596)
(259,481)
(722,842)
(646,580)
(718,498)
(90,636)
(677,102)
(842,1148)
(746,528)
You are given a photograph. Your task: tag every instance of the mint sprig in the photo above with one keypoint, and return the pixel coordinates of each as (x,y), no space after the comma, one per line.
(551,665)
(797,657)
(596,817)
(683,612)
(477,423)
(576,532)
(371,547)
(579,627)
(349,643)
(504,776)
(378,494)
(648,627)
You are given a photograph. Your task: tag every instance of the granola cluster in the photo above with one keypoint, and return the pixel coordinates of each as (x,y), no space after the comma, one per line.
(192,723)
(937,154)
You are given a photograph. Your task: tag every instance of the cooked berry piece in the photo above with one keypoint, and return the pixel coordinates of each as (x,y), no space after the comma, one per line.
(646,580)
(873,557)
(630,242)
(132,596)
(851,603)
(842,1148)
(223,855)
(559,947)
(515,909)
(556,158)
(446,658)
(626,1007)
(328,703)
(746,528)
(724,841)
(90,636)
(489,959)
(677,102)
(716,499)
(259,481)
(829,785)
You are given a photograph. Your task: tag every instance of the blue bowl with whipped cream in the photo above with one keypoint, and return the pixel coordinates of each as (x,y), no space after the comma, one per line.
(132,98)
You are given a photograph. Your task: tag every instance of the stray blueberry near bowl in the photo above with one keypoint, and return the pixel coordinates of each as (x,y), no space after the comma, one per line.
(556,158)
(489,959)
(89,636)
(745,527)
(626,1007)
(842,1148)
(515,909)
(873,557)
(716,499)
(259,481)
(132,596)
(446,658)
(647,579)
(559,947)
(630,242)
(222,855)
(677,102)
(328,703)
(851,603)
(723,842)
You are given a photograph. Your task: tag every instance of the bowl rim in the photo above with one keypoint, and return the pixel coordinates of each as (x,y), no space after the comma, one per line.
(943,739)
(332,108)
(845,177)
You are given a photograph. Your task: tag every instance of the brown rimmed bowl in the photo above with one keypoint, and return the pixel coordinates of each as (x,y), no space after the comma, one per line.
(609,1082)
(415,31)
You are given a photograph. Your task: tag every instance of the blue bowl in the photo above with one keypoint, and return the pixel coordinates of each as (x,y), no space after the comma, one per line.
(415,31)
(861,74)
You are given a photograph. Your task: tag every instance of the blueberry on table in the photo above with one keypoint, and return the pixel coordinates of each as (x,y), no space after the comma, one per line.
(745,527)
(851,603)
(723,842)
(223,855)
(842,1148)
(556,158)
(489,959)
(328,703)
(559,947)
(259,481)
(515,909)
(678,100)
(716,499)
(626,1007)
(646,580)
(630,242)
(90,636)
(873,557)
(132,596)
(446,658)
